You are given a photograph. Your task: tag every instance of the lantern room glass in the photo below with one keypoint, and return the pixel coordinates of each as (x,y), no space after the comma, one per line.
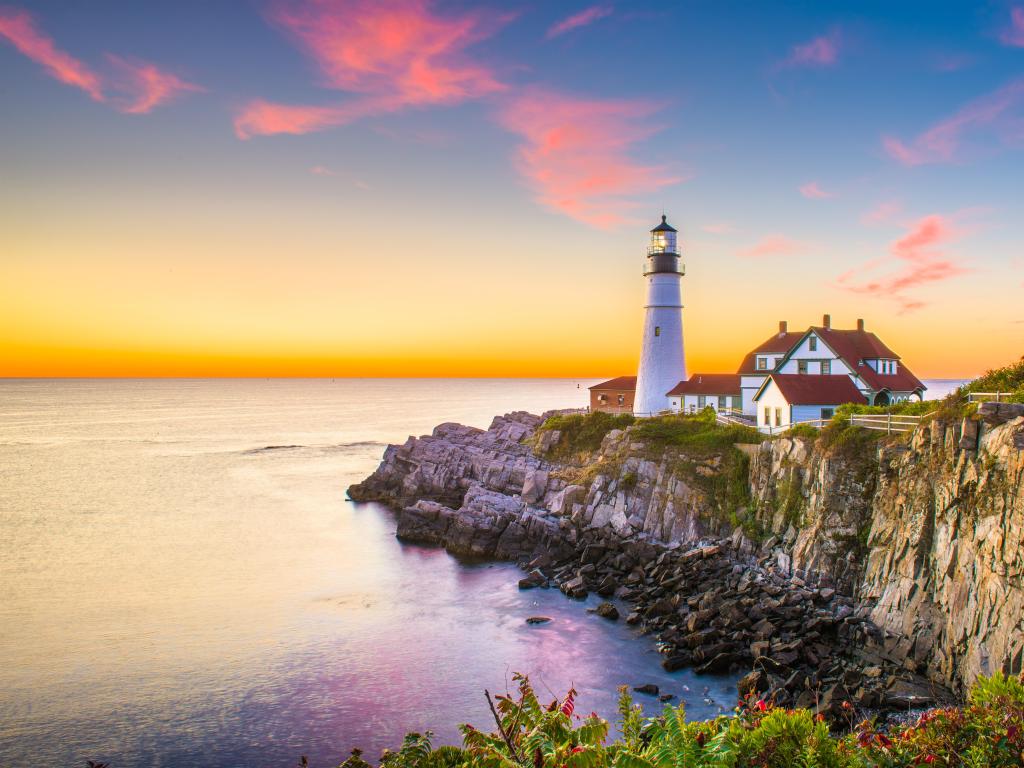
(662,242)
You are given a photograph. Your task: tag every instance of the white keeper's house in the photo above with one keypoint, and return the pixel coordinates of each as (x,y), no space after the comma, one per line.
(788,378)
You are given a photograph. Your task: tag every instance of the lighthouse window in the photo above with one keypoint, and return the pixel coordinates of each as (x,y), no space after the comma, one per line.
(657,330)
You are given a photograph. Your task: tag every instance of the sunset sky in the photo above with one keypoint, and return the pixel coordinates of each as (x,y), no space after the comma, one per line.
(414,188)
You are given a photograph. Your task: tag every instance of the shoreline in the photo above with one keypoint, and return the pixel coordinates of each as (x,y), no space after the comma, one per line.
(717,605)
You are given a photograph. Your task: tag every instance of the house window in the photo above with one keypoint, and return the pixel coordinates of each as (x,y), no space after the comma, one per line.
(693,408)
(722,404)
(737,403)
(826,367)
(801,366)
(702,401)
(622,399)
(775,362)
(778,417)
(828,413)
(657,330)
(602,398)
(812,344)
(762,363)
(767,416)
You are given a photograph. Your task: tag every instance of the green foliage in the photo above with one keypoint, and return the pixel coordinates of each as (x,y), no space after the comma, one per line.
(699,434)
(987,732)
(581,433)
(629,481)
(802,430)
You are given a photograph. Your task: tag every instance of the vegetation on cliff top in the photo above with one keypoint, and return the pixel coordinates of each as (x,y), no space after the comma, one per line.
(987,731)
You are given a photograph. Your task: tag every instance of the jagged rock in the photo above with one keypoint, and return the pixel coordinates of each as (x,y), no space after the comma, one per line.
(649,688)
(538,620)
(607,611)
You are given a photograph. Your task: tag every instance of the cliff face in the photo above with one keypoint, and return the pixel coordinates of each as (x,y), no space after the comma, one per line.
(926,535)
(923,536)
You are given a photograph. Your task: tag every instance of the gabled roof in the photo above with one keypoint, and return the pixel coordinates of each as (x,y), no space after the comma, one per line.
(777,344)
(856,346)
(621,382)
(708,384)
(806,389)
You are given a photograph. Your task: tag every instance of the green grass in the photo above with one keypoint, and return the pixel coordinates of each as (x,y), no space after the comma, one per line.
(699,434)
(580,433)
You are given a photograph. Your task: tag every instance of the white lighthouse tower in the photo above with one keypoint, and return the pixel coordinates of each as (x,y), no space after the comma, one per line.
(662,362)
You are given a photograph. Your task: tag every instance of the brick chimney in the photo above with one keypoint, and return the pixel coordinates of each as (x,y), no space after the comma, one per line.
(860,324)
(827,321)
(783,327)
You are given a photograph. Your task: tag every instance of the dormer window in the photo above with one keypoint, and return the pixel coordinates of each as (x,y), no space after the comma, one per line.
(762,363)
(812,344)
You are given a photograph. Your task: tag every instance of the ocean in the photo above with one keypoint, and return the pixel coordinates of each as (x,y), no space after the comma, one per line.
(184,583)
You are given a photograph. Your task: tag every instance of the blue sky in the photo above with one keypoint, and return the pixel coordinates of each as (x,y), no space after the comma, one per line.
(863,159)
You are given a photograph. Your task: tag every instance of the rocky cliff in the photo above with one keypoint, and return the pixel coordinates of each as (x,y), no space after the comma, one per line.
(833,572)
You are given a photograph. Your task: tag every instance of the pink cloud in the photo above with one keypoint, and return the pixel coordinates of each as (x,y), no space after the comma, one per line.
(581,19)
(1015,34)
(20,29)
(144,86)
(812,191)
(322,170)
(919,259)
(883,212)
(136,87)
(265,118)
(576,153)
(772,245)
(943,142)
(393,53)
(822,51)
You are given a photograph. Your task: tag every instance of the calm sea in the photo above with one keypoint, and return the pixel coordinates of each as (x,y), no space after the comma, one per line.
(182,582)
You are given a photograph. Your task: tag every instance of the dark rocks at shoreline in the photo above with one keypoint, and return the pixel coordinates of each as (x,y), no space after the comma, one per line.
(779,612)
(608,611)
(534,620)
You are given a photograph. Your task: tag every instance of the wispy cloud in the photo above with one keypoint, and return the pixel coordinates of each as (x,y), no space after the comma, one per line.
(821,51)
(20,29)
(322,170)
(773,245)
(581,19)
(813,191)
(576,153)
(944,141)
(393,54)
(884,212)
(144,86)
(919,259)
(1014,34)
(133,86)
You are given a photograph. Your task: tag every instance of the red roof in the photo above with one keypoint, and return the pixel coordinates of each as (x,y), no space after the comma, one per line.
(621,383)
(807,389)
(708,384)
(856,346)
(779,344)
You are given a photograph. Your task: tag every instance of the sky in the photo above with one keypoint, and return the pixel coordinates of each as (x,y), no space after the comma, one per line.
(417,188)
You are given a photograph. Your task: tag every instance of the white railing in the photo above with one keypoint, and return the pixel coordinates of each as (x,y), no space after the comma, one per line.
(987,397)
(886,422)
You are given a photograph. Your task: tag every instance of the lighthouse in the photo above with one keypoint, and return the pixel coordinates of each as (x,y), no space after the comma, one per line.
(662,363)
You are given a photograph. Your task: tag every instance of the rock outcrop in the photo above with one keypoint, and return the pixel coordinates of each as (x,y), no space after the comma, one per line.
(832,575)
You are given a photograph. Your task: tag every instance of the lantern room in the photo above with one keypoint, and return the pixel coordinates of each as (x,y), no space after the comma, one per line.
(663,238)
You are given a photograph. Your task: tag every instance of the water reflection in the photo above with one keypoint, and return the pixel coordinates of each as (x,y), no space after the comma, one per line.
(175,595)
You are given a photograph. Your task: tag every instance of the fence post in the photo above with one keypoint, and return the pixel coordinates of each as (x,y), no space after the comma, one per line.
(888,424)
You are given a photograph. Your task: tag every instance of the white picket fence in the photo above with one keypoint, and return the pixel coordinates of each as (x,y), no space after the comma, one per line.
(987,397)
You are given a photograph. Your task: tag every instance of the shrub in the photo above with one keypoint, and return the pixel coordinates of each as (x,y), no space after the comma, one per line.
(987,731)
